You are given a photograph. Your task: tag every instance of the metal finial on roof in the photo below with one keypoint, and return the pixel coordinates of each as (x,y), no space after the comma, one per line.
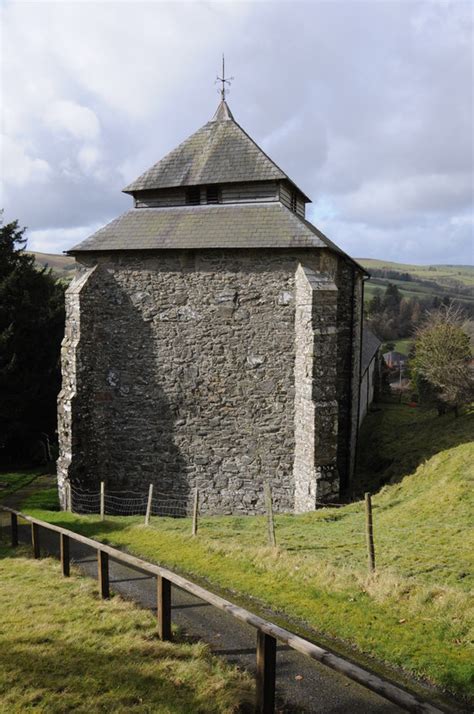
(224,80)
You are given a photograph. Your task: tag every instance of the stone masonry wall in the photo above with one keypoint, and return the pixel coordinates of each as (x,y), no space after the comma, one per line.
(358,301)
(316,409)
(71,358)
(178,370)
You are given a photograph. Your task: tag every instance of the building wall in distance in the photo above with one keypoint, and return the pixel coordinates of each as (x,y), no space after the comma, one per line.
(179,370)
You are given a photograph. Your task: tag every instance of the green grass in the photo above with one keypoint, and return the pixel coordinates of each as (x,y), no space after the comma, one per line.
(11,481)
(415,614)
(62,649)
(403,346)
(439,273)
(451,280)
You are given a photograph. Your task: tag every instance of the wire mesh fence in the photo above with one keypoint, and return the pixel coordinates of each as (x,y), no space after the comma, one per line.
(345,536)
(130,503)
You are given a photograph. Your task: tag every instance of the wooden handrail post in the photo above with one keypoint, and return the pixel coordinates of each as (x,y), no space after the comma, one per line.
(148,505)
(14,522)
(35,540)
(68,497)
(195,512)
(266,667)
(163,607)
(103,574)
(64,549)
(269,509)
(102,501)
(268,632)
(369,531)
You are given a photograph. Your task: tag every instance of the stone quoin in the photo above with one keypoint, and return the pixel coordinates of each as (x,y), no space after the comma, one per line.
(213,338)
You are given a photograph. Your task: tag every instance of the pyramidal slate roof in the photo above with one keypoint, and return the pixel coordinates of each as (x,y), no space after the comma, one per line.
(219,152)
(258,225)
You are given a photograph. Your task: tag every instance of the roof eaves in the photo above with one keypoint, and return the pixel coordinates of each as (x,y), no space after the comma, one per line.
(330,244)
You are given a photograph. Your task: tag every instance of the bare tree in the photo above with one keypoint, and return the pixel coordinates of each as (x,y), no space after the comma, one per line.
(442,357)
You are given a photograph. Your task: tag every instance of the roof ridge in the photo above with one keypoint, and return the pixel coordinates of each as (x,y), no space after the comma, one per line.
(270,158)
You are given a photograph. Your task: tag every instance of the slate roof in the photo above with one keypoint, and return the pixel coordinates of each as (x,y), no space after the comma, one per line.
(370,345)
(219,152)
(259,225)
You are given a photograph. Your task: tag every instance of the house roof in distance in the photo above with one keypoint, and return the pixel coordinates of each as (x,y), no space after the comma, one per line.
(219,152)
(370,345)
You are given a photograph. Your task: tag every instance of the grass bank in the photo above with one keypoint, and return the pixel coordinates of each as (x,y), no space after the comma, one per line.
(415,614)
(62,649)
(11,481)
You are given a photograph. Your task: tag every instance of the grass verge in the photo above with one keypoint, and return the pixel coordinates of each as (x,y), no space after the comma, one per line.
(415,614)
(11,481)
(63,649)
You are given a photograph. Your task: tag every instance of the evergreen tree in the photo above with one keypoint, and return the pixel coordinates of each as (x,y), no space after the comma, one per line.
(375,304)
(405,312)
(392,299)
(31,329)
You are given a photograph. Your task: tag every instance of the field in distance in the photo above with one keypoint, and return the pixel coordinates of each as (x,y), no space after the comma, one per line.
(61,265)
(422,281)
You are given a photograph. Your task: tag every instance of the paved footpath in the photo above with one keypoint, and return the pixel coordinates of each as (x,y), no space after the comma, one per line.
(303,685)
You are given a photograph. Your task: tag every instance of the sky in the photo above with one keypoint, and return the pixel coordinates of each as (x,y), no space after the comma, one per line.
(366,104)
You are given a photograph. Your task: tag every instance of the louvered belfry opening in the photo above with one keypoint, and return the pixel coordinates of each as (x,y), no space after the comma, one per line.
(294,201)
(193,196)
(213,194)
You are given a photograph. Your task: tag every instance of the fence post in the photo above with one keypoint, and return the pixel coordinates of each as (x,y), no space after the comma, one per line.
(266,666)
(68,497)
(102,501)
(269,509)
(64,550)
(195,512)
(103,574)
(369,532)
(163,608)
(148,505)
(35,542)
(14,522)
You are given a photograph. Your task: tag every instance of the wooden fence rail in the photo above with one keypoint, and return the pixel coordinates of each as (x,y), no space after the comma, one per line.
(267,633)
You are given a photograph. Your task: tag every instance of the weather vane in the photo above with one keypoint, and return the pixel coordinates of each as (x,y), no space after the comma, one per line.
(224,80)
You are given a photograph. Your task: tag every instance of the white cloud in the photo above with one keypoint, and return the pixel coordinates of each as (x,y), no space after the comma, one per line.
(450,240)
(88,158)
(72,118)
(394,202)
(18,167)
(54,240)
(367,105)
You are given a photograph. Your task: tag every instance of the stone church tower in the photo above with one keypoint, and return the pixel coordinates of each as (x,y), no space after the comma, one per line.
(213,338)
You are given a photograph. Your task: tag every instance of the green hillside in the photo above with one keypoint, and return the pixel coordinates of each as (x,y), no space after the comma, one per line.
(422,281)
(415,614)
(442,274)
(61,265)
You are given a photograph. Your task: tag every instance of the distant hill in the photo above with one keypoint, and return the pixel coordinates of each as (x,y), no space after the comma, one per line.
(62,265)
(422,281)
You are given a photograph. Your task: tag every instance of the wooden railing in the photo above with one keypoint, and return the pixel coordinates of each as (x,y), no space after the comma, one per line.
(267,633)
